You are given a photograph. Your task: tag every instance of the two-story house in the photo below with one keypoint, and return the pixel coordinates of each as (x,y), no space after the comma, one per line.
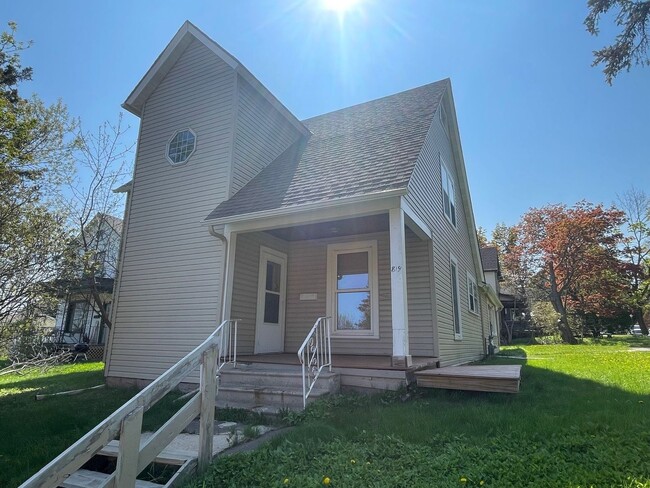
(79,318)
(238,209)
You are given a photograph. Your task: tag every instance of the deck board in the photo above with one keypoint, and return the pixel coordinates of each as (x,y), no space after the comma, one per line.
(494,378)
(342,361)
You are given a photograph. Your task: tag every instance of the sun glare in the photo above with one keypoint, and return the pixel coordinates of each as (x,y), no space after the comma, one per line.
(339,6)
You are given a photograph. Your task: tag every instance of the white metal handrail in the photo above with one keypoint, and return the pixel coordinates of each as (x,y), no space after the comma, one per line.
(218,349)
(314,355)
(227,343)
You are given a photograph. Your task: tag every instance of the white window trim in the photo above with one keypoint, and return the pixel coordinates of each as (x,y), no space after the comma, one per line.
(471,282)
(169,160)
(445,170)
(457,335)
(333,250)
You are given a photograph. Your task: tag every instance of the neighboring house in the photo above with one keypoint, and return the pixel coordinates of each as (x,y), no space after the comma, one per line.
(239,210)
(510,318)
(78,318)
(493,278)
(515,315)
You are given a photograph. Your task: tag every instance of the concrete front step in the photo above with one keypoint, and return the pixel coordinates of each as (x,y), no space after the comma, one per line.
(274,376)
(274,386)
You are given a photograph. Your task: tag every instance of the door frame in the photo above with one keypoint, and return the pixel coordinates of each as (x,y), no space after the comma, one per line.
(266,254)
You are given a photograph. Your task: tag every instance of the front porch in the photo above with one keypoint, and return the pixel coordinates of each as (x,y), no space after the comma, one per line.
(370,273)
(271,382)
(359,373)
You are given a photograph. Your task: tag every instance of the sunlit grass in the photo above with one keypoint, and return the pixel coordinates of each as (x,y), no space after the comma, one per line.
(581,419)
(33,432)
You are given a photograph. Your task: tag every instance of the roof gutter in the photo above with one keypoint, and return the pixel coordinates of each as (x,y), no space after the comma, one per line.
(280,212)
(491,295)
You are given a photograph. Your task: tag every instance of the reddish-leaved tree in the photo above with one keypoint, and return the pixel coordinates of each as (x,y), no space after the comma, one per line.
(566,249)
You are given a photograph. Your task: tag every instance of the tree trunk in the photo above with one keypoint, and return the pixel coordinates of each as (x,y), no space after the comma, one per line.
(641,321)
(556,301)
(101,306)
(508,332)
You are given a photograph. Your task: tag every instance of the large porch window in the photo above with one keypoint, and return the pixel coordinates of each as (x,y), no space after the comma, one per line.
(352,288)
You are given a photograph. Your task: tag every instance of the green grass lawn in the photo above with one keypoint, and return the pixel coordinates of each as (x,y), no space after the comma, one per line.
(582,419)
(33,432)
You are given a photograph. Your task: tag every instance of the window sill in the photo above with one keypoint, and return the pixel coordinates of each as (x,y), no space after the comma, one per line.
(458,337)
(353,335)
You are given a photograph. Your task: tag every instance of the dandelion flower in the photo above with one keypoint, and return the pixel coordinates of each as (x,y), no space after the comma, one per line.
(481,482)
(286,481)
(353,461)
(463,479)
(326,480)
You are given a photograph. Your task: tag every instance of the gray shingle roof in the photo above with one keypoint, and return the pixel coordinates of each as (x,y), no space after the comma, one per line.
(366,148)
(490,258)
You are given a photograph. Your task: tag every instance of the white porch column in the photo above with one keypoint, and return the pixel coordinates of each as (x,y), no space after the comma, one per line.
(401,356)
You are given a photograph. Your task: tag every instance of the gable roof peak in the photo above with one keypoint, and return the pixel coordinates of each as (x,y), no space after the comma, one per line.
(187,33)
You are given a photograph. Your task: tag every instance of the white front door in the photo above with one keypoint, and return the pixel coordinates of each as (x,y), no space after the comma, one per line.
(269,330)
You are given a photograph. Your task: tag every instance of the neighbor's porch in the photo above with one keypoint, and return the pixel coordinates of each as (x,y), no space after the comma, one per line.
(370,273)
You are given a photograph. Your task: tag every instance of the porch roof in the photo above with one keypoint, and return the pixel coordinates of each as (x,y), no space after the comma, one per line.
(365,149)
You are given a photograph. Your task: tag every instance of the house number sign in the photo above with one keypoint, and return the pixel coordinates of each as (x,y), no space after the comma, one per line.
(395,269)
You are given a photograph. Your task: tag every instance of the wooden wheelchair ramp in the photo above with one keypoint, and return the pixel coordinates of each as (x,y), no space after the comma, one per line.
(496,378)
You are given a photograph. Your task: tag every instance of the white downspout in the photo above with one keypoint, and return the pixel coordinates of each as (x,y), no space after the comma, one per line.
(224,271)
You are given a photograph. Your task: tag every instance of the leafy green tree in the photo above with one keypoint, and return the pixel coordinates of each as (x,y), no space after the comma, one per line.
(481,236)
(636,252)
(545,318)
(35,157)
(631,44)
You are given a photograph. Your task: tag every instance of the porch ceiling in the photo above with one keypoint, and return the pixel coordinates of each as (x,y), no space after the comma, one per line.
(334,228)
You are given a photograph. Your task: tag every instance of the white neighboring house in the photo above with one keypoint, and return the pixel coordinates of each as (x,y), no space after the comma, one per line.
(493,278)
(78,319)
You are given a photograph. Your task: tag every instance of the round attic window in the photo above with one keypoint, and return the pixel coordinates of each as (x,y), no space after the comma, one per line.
(181,146)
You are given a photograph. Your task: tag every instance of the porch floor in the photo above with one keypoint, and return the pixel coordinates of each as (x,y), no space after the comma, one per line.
(343,361)
(495,378)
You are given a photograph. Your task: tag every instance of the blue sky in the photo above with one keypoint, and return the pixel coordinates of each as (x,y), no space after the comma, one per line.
(538,124)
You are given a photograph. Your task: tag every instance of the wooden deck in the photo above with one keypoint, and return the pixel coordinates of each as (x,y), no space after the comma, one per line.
(496,378)
(342,361)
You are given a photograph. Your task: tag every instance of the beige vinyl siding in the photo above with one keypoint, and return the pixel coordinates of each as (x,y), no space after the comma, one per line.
(245,284)
(307,273)
(485,315)
(169,294)
(425,197)
(421,331)
(262,134)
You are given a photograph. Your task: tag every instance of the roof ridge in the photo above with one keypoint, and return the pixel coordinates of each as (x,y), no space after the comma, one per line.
(367,102)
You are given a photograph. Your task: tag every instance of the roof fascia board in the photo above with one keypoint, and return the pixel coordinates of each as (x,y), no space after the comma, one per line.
(164,62)
(415,223)
(339,209)
(464,184)
(126,187)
